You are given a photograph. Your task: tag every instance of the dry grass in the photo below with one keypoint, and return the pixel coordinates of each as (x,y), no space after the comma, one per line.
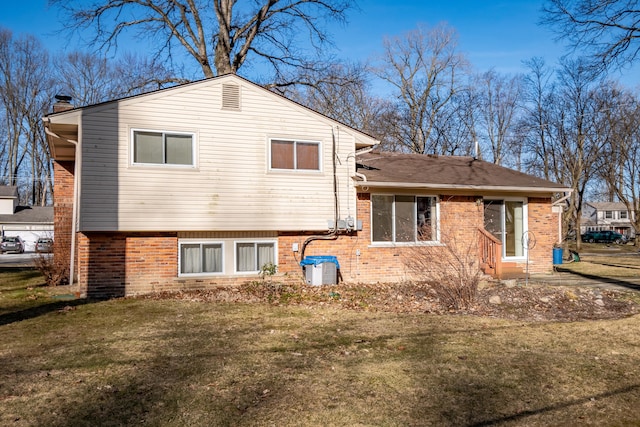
(611,261)
(170,362)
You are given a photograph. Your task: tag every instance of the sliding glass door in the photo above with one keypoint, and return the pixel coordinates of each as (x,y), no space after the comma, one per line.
(506,220)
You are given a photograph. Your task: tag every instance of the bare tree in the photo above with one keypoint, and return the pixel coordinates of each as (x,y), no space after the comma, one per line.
(536,120)
(577,132)
(464,116)
(454,126)
(619,169)
(90,78)
(343,93)
(219,35)
(24,97)
(499,106)
(424,69)
(606,30)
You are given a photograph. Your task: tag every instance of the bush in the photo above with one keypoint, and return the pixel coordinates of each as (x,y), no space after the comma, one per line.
(55,273)
(451,269)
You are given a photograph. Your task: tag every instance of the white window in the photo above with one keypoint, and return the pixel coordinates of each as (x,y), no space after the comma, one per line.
(294,155)
(608,214)
(201,258)
(403,219)
(623,215)
(163,148)
(252,256)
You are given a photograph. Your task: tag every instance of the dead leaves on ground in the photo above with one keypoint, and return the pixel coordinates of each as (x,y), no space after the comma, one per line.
(531,302)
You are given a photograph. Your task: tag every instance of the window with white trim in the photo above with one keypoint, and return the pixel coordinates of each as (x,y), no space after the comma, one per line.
(252,256)
(294,155)
(608,214)
(163,148)
(403,219)
(623,215)
(201,258)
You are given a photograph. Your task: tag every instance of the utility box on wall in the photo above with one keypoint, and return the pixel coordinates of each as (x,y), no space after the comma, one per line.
(320,270)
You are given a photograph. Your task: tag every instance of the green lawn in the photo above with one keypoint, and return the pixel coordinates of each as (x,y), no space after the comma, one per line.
(188,363)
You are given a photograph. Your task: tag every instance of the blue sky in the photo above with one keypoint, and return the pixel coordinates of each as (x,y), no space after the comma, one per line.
(492,33)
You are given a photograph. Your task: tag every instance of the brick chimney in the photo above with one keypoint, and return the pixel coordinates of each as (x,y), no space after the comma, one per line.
(62,103)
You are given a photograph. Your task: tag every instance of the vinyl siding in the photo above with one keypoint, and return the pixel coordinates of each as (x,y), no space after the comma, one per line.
(231,186)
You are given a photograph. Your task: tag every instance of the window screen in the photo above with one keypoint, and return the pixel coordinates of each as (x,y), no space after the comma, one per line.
(403,218)
(295,155)
(162,148)
(253,256)
(196,258)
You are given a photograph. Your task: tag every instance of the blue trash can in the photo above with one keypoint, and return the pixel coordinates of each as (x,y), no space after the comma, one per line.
(557,255)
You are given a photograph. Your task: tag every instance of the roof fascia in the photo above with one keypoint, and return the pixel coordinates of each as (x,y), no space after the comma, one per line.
(366,140)
(458,187)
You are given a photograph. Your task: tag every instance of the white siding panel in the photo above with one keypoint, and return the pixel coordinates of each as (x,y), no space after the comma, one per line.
(231,187)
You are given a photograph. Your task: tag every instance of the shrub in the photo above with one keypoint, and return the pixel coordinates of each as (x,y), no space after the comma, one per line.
(268,270)
(451,269)
(56,273)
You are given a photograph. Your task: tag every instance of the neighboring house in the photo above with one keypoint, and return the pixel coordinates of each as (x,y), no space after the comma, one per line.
(204,183)
(28,222)
(598,216)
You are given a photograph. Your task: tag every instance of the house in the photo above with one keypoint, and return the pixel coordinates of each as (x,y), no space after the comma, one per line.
(204,183)
(27,222)
(599,216)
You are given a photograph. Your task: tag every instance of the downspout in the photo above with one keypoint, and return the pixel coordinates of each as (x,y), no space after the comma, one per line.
(74,210)
(362,176)
(362,151)
(332,235)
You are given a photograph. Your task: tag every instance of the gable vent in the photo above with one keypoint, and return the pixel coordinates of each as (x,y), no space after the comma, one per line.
(230,97)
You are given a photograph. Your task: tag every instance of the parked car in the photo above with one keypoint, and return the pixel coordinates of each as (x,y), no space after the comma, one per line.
(12,244)
(44,245)
(606,236)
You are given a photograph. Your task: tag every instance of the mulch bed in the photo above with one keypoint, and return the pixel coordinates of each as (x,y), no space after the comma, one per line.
(533,302)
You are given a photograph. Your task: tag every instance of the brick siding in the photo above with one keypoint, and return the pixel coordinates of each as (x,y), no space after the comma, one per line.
(62,211)
(117,264)
(543,224)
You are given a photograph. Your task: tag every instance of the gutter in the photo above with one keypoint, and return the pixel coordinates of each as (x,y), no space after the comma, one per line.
(557,202)
(461,187)
(76,186)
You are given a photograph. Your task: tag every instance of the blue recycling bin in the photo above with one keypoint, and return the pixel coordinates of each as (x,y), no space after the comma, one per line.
(557,255)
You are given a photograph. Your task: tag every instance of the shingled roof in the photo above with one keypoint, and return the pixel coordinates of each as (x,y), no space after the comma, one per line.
(384,169)
(8,191)
(29,215)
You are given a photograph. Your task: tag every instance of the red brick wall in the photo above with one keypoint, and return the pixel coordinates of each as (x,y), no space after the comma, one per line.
(116,264)
(361,262)
(544,225)
(62,211)
(121,264)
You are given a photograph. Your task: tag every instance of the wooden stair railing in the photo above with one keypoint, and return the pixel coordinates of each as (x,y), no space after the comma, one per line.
(490,251)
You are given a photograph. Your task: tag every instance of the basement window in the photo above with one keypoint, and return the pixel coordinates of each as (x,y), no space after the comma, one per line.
(252,256)
(199,258)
